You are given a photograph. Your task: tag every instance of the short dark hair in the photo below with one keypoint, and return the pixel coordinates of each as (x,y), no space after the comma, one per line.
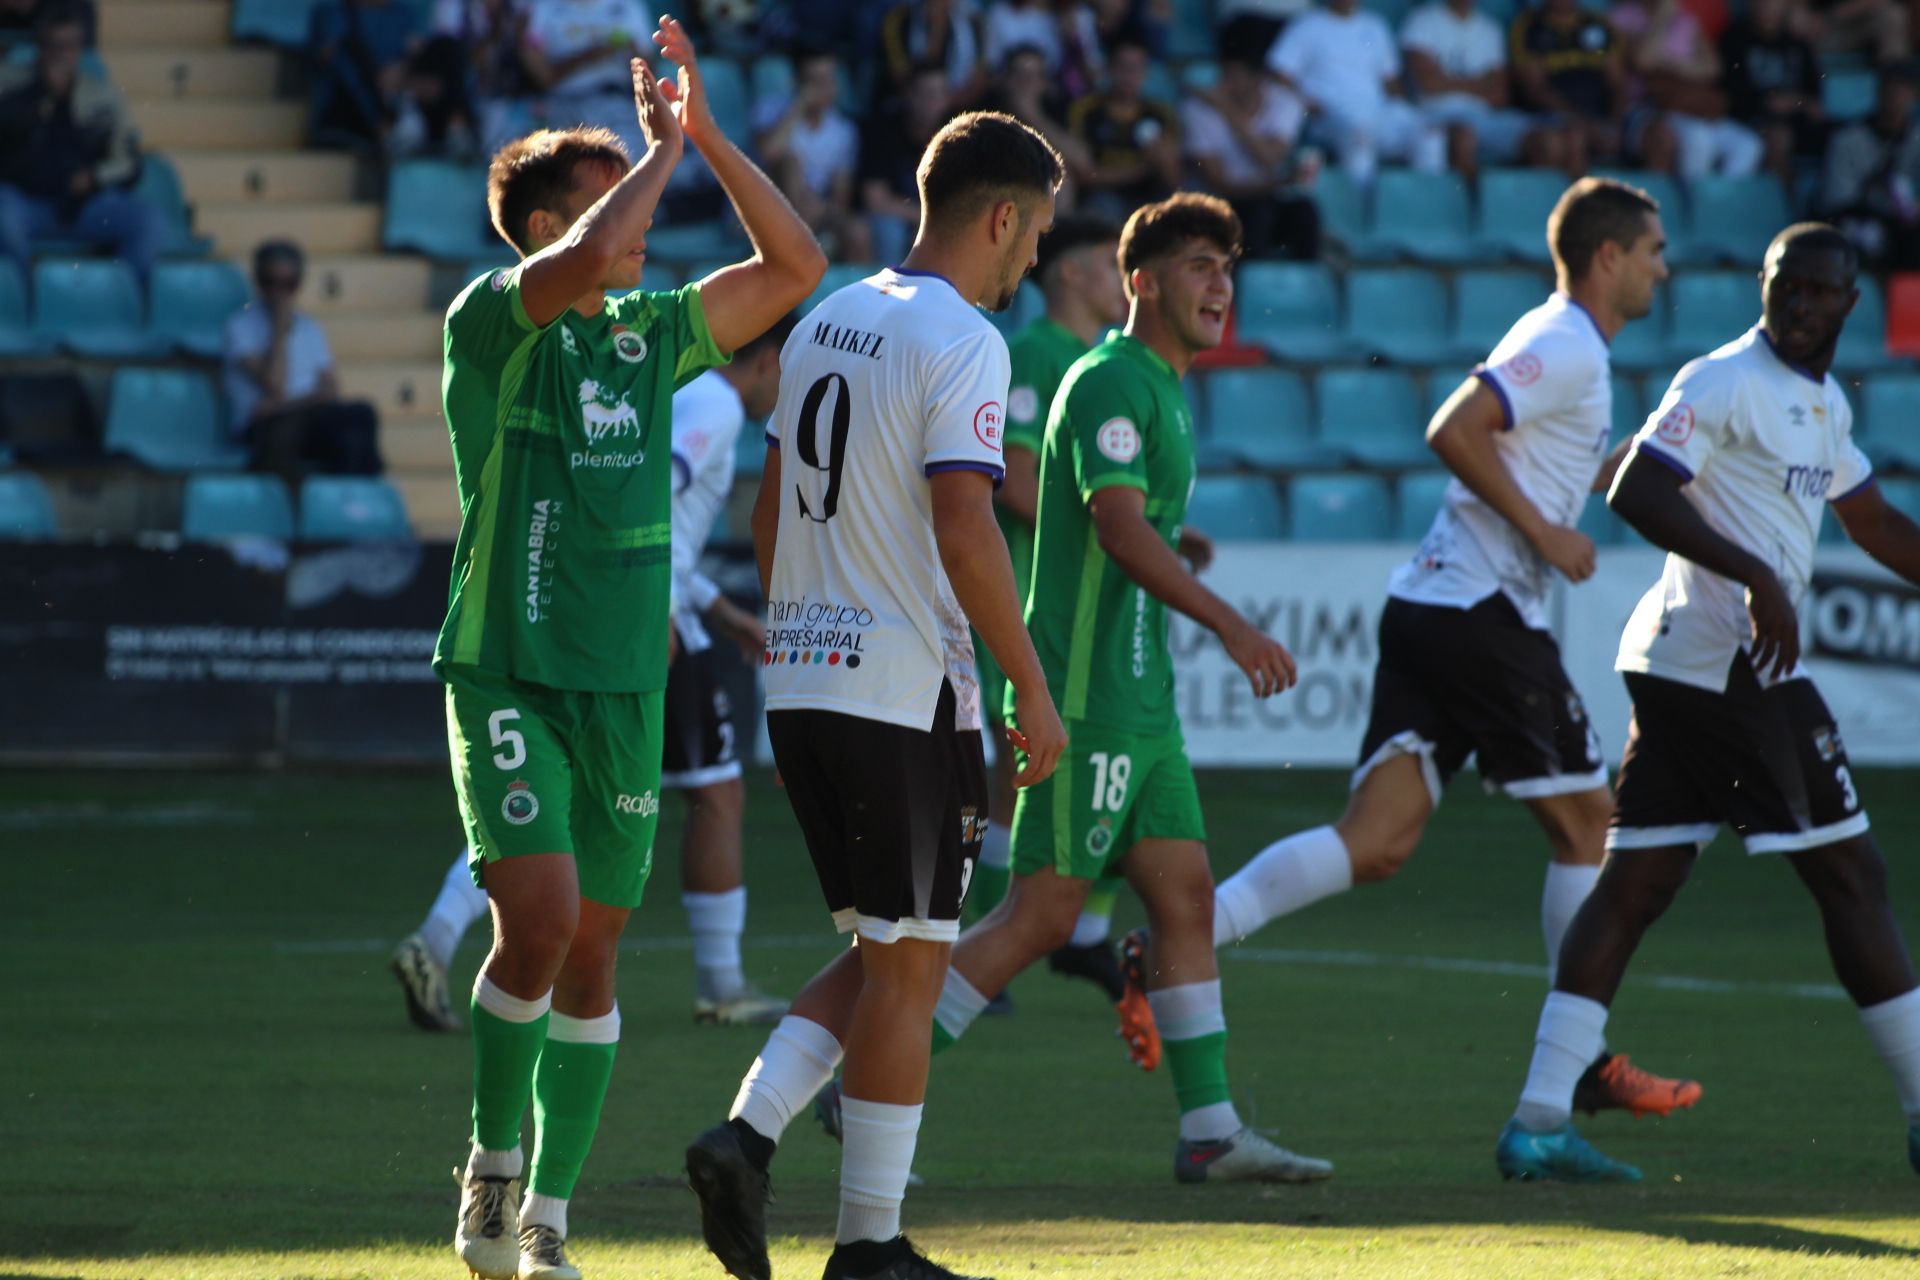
(1072,232)
(980,158)
(269,252)
(1593,212)
(776,335)
(1817,237)
(1157,229)
(540,170)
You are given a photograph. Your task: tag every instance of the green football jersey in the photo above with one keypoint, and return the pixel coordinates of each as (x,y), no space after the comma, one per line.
(1041,354)
(1119,419)
(562,442)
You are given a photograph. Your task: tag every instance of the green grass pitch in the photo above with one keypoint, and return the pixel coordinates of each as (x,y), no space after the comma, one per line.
(207,1072)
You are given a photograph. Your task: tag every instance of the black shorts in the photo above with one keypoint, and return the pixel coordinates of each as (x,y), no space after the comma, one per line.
(699,747)
(1451,683)
(1767,762)
(892,816)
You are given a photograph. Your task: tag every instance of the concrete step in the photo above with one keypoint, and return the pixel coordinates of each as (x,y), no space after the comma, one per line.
(317,228)
(265,177)
(385,335)
(417,446)
(433,504)
(126,23)
(339,283)
(184,71)
(228,124)
(398,388)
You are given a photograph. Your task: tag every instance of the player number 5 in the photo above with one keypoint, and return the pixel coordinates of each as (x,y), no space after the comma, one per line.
(515,754)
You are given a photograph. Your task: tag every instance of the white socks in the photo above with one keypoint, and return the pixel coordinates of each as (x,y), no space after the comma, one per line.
(716,921)
(460,903)
(1281,879)
(537,1210)
(482,1163)
(798,1060)
(506,1007)
(960,1003)
(604,1029)
(1894,1026)
(876,1158)
(996,847)
(1573,1030)
(1566,888)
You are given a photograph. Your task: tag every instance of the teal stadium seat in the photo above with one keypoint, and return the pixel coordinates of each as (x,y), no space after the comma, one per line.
(1371,416)
(1642,344)
(1848,93)
(728,96)
(1863,343)
(240,506)
(169,419)
(1674,218)
(281,22)
(1886,419)
(438,208)
(1343,211)
(1710,308)
(1291,309)
(1422,215)
(18,337)
(1235,508)
(1341,506)
(771,78)
(1190,34)
(91,307)
(351,509)
(1485,306)
(1417,500)
(26,512)
(190,303)
(1737,217)
(1259,417)
(1399,313)
(1629,406)
(1513,209)
(159,186)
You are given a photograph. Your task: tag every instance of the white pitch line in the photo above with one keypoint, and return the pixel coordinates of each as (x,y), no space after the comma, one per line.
(1250,955)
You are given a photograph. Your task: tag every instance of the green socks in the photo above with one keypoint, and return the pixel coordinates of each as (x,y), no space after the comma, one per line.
(569,1089)
(508,1033)
(1193,1039)
(1199,1068)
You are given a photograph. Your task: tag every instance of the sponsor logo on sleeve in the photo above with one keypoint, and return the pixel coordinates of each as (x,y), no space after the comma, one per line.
(1118,439)
(1676,425)
(1023,405)
(1522,370)
(987,423)
(500,280)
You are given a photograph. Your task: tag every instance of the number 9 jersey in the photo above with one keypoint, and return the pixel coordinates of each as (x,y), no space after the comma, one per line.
(890,381)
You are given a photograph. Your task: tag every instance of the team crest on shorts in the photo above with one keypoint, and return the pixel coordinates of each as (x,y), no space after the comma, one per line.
(628,345)
(1100,838)
(520,806)
(973,827)
(1826,740)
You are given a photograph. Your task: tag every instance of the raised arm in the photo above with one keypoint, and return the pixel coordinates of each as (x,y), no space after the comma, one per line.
(975,557)
(574,265)
(1881,530)
(1131,542)
(1463,433)
(1646,494)
(742,301)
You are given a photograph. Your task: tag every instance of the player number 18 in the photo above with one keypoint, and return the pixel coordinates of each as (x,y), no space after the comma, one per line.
(1110,774)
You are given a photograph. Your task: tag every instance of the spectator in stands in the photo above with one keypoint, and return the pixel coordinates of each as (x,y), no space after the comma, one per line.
(489,33)
(1773,83)
(1457,61)
(1882,29)
(66,154)
(1142,21)
(1260,22)
(1239,137)
(435,111)
(1569,65)
(1341,59)
(940,32)
(1679,73)
(576,53)
(281,389)
(1064,32)
(1131,141)
(1872,188)
(812,150)
(1028,94)
(360,51)
(890,150)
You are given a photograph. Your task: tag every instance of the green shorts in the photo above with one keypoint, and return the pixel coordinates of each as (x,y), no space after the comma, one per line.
(541,770)
(1112,790)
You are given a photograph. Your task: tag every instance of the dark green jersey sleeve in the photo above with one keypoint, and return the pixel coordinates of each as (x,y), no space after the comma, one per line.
(488,320)
(1104,411)
(678,318)
(1036,376)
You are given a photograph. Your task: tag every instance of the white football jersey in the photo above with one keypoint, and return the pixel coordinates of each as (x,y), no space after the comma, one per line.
(1550,374)
(887,382)
(1763,447)
(707,418)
